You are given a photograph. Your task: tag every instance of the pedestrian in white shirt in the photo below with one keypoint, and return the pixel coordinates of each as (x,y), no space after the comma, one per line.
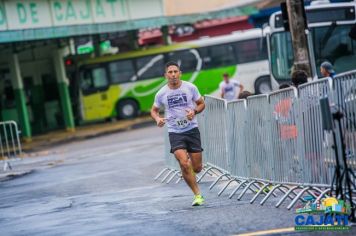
(230,88)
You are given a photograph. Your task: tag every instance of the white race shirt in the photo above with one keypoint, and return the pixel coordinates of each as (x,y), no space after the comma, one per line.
(175,102)
(230,89)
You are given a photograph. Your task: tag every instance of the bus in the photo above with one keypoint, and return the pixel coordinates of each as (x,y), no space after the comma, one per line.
(328,40)
(124,85)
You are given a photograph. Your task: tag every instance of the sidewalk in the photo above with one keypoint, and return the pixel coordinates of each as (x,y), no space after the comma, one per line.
(41,142)
(36,154)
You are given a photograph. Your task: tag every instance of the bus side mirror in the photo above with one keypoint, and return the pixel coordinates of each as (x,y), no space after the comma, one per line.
(352,33)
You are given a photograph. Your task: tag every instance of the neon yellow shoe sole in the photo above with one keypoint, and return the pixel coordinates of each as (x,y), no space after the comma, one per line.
(198,200)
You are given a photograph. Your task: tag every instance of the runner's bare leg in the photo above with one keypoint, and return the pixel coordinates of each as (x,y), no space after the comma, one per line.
(187,170)
(196,159)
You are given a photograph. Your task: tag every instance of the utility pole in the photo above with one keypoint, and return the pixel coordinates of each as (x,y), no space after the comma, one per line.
(297,25)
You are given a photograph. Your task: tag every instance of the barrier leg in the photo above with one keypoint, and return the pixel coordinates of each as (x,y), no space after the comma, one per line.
(161,173)
(179,179)
(226,185)
(169,173)
(297,197)
(175,174)
(321,195)
(270,193)
(217,180)
(245,190)
(259,192)
(7,166)
(205,172)
(284,192)
(286,195)
(237,188)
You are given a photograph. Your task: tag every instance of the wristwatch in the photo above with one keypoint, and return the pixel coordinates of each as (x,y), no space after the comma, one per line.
(195,112)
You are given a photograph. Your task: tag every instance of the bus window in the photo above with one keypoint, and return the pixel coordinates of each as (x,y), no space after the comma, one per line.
(85,80)
(251,50)
(150,67)
(222,55)
(100,78)
(93,79)
(282,55)
(187,59)
(121,71)
(332,43)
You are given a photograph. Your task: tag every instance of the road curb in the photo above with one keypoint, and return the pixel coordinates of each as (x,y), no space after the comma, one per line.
(48,144)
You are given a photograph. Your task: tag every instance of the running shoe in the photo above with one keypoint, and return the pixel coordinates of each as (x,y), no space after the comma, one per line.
(198,200)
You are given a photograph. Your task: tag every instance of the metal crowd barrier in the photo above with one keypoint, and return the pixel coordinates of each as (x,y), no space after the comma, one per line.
(215,141)
(172,168)
(345,102)
(236,136)
(10,145)
(285,130)
(276,145)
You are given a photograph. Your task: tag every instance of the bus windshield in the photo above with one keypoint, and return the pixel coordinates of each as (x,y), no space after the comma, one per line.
(330,43)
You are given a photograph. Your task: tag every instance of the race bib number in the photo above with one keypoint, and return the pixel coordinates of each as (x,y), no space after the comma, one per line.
(182,122)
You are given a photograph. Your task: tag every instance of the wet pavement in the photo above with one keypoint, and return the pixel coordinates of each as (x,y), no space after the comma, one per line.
(105,186)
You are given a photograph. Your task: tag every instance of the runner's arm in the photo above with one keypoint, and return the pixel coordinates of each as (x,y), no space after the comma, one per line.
(222,94)
(200,105)
(241,89)
(155,115)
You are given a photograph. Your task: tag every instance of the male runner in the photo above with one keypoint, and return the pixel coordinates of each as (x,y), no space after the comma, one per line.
(182,101)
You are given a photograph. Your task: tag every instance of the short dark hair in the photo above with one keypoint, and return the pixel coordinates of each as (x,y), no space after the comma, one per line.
(284,85)
(172,63)
(244,94)
(299,77)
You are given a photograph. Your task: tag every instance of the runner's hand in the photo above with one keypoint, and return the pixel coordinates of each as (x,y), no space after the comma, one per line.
(190,114)
(160,121)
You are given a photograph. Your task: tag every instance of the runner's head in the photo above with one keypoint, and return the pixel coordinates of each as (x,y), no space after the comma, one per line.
(226,77)
(173,73)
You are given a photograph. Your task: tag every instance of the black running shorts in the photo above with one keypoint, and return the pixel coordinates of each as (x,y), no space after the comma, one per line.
(189,140)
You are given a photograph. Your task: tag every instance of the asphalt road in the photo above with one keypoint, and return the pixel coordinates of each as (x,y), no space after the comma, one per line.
(104,186)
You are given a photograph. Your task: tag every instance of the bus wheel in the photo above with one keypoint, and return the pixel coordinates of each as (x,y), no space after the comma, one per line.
(263,85)
(127,109)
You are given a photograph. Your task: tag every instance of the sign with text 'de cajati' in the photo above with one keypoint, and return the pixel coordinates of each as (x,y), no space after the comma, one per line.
(27,14)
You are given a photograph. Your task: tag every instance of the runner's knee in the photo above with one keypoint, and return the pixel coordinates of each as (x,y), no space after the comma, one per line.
(197,169)
(185,166)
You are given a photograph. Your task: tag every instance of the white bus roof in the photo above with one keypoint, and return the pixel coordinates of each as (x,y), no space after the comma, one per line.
(325,6)
(234,36)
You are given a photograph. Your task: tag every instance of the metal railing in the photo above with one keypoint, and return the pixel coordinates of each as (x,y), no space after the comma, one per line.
(275,145)
(10,145)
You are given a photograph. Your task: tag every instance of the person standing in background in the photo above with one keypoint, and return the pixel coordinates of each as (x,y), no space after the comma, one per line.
(327,70)
(230,88)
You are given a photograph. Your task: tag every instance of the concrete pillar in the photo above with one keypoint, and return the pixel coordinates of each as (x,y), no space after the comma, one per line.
(63,84)
(20,97)
(132,34)
(37,102)
(165,34)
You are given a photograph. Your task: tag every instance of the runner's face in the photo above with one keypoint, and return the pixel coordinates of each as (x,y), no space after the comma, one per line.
(173,75)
